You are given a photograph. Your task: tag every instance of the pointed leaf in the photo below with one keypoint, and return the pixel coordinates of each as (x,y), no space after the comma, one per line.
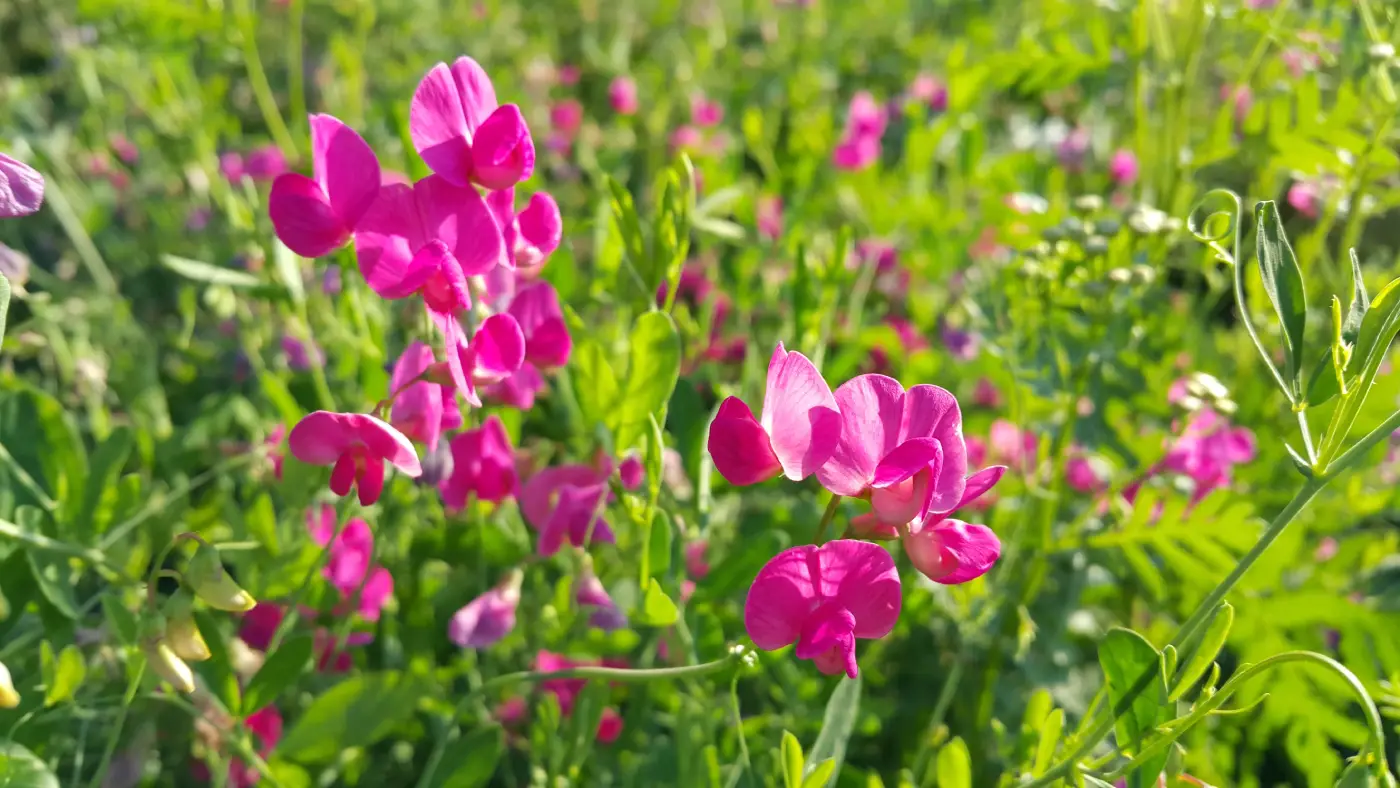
(198,271)
(594,383)
(820,775)
(1283,282)
(954,765)
(837,724)
(104,469)
(1207,648)
(653,368)
(282,668)
(1360,302)
(357,712)
(656,609)
(792,760)
(1050,731)
(471,761)
(1132,667)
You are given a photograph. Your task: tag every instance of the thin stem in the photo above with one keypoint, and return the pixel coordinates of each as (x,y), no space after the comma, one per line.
(745,764)
(940,709)
(293,613)
(131,689)
(262,90)
(1307,436)
(827,517)
(296,76)
(124,528)
(22,476)
(1358,450)
(49,545)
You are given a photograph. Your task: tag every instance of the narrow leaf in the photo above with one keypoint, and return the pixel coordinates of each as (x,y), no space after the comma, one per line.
(279,672)
(4,303)
(954,765)
(656,609)
(1132,667)
(69,673)
(820,775)
(471,761)
(1283,282)
(1207,649)
(792,760)
(1360,302)
(837,724)
(1050,732)
(198,271)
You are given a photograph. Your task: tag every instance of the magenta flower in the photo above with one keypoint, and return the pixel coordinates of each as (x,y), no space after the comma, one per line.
(267,162)
(485,620)
(1081,476)
(1123,167)
(704,112)
(316,216)
(822,599)
(962,345)
(518,390)
(300,356)
(21,188)
(565,502)
(631,472)
(567,691)
(952,551)
(1010,445)
(1208,450)
(986,394)
(566,117)
(349,562)
(483,464)
(622,95)
(423,410)
(531,235)
(357,445)
(590,593)
(547,341)
(856,153)
(463,134)
(496,351)
(770,217)
(865,118)
(1306,198)
(695,563)
(930,90)
(903,449)
(125,149)
(568,75)
(798,431)
(687,138)
(231,166)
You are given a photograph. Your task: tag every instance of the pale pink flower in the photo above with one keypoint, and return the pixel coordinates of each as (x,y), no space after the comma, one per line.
(357,445)
(463,134)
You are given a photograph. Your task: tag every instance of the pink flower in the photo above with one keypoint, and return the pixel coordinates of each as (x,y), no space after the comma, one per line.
(266,163)
(566,117)
(930,90)
(357,445)
(1072,148)
(260,625)
(609,726)
(687,138)
(565,502)
(316,216)
(1242,98)
(485,620)
(1010,445)
(631,472)
(300,356)
(590,593)
(125,149)
(952,551)
(1081,476)
(568,75)
(348,566)
(496,351)
(266,727)
(705,113)
(1207,451)
(856,153)
(231,166)
(822,599)
(483,464)
(622,95)
(21,188)
(519,390)
(904,449)
(529,236)
(547,341)
(909,337)
(273,444)
(1260,5)
(461,132)
(865,118)
(1306,198)
(1123,167)
(770,217)
(423,410)
(798,431)
(986,394)
(695,564)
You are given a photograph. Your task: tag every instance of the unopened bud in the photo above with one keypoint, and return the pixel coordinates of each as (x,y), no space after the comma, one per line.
(868,526)
(1120,276)
(1088,203)
(8,697)
(1096,245)
(169,666)
(440,374)
(181,631)
(209,581)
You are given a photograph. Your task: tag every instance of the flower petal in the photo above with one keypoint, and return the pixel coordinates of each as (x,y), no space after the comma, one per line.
(378,588)
(541,226)
(739,446)
(459,217)
(346,168)
(800,414)
(979,483)
(905,501)
(503,154)
(932,412)
(320,524)
(780,598)
(538,493)
(21,188)
(321,437)
(862,578)
(387,442)
(953,551)
(907,459)
(871,407)
(437,123)
(477,94)
(498,348)
(387,237)
(303,217)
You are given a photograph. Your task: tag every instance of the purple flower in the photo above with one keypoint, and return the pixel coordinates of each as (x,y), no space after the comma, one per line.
(488,618)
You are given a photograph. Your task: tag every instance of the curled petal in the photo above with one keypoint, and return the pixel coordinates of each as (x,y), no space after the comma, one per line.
(321,437)
(303,217)
(541,226)
(904,501)
(907,459)
(872,407)
(739,446)
(371,481)
(800,414)
(498,348)
(859,577)
(346,168)
(502,152)
(932,412)
(459,217)
(21,188)
(953,551)
(387,442)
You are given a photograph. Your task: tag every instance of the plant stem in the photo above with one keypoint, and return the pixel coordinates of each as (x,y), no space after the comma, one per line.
(262,90)
(940,709)
(296,77)
(827,517)
(124,528)
(131,688)
(293,613)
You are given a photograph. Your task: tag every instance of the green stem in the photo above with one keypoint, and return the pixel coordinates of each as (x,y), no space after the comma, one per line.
(22,476)
(827,517)
(293,612)
(131,689)
(262,90)
(745,764)
(124,528)
(1307,436)
(296,77)
(940,710)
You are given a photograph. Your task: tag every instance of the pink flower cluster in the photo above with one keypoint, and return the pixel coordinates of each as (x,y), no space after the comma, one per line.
(859,147)
(871,439)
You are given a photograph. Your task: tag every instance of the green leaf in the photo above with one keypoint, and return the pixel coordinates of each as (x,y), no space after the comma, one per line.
(121,620)
(656,609)
(198,271)
(1131,665)
(103,471)
(20,768)
(1322,383)
(1360,302)
(1378,330)
(954,765)
(218,670)
(48,666)
(4,303)
(820,775)
(595,384)
(584,719)
(289,270)
(1357,775)
(791,753)
(279,672)
(1207,648)
(837,723)
(471,761)
(54,582)
(1050,731)
(261,522)
(652,372)
(659,545)
(356,712)
(1283,282)
(68,676)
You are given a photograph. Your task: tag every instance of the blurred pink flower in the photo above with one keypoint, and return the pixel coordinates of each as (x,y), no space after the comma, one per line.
(1306,198)
(423,409)
(125,149)
(798,431)
(463,134)
(568,75)
(705,113)
(986,394)
(231,166)
(1081,476)
(631,472)
(1072,149)
(485,620)
(565,502)
(21,188)
(961,345)
(1242,98)
(1010,445)
(622,95)
(348,566)
(301,356)
(696,565)
(1123,167)
(1207,451)
(266,162)
(856,153)
(358,446)
(483,465)
(770,217)
(865,117)
(566,117)
(266,727)
(687,138)
(823,599)
(930,90)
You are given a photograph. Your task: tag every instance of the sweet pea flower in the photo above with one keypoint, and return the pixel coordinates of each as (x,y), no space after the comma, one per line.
(904,450)
(856,153)
(1306,198)
(928,89)
(561,503)
(483,465)
(357,445)
(272,444)
(423,410)
(770,217)
(496,351)
(822,598)
(1123,167)
(695,563)
(567,691)
(260,625)
(704,112)
(462,133)
(1080,474)
(986,394)
(125,149)
(952,551)
(231,166)
(631,472)
(529,236)
(266,727)
(1011,445)
(1207,451)
(267,162)
(590,593)
(622,95)
(566,117)
(547,341)
(865,117)
(301,356)
(485,620)
(798,431)
(519,390)
(315,216)
(569,74)
(348,566)
(21,188)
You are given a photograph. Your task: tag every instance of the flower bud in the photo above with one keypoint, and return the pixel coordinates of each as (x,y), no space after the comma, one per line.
(168,666)
(1088,203)
(181,632)
(9,699)
(1096,245)
(206,576)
